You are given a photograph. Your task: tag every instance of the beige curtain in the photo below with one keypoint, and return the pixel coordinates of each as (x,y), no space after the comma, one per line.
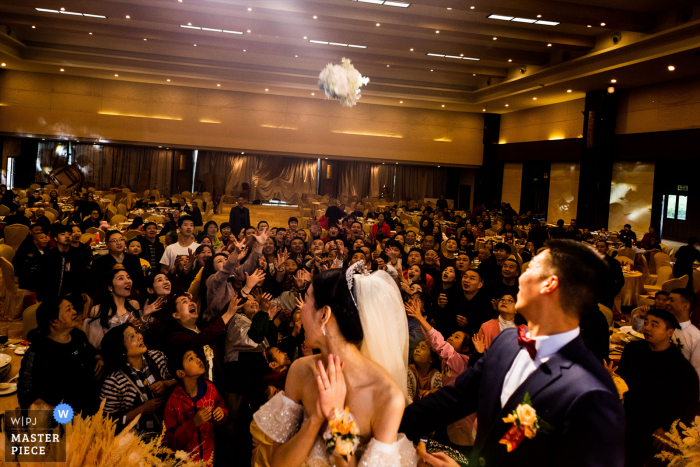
(268,177)
(418,182)
(354,179)
(381,176)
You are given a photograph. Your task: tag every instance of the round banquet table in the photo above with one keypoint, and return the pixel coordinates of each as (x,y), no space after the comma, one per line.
(633,288)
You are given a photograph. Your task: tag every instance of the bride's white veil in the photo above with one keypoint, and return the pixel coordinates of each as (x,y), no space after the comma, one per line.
(384,324)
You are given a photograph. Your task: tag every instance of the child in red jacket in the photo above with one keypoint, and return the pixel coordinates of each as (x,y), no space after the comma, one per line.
(193,409)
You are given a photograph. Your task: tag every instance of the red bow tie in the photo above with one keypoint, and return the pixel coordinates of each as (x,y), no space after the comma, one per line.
(524,341)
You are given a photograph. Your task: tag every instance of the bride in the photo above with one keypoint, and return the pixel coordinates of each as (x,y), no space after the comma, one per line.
(357,319)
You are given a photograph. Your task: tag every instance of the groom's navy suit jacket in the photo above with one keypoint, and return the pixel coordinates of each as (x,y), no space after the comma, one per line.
(571,391)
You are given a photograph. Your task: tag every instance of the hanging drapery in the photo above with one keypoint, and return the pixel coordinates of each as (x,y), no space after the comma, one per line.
(117,166)
(381,176)
(353,179)
(418,182)
(268,177)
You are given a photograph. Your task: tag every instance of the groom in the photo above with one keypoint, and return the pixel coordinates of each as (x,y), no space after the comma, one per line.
(569,389)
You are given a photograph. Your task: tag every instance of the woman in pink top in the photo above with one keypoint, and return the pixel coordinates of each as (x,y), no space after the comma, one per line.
(505,306)
(454,353)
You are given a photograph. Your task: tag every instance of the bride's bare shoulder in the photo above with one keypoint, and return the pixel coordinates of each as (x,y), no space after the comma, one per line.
(299,375)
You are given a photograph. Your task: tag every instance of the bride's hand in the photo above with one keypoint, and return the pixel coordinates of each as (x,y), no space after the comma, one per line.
(331,388)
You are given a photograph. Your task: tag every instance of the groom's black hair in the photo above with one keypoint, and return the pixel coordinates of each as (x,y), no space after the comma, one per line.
(331,289)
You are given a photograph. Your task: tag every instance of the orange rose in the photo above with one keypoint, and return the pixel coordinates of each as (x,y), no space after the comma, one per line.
(527,415)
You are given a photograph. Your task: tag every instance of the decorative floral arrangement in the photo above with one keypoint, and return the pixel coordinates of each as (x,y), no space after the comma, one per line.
(342,82)
(342,435)
(686,446)
(526,424)
(91,442)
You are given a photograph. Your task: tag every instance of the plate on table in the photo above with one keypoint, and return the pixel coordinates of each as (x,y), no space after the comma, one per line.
(8,388)
(4,360)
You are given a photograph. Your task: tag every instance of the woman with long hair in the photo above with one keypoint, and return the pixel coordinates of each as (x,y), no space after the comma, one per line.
(115,307)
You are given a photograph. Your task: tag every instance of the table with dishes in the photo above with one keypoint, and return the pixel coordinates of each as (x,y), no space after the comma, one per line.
(10,361)
(632,290)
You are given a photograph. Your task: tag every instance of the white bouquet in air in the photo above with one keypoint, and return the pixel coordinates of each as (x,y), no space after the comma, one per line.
(342,82)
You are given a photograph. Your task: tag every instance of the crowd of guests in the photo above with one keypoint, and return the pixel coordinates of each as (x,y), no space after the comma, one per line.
(198,334)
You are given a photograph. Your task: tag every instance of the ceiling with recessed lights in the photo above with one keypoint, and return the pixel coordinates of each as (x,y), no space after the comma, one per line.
(463,55)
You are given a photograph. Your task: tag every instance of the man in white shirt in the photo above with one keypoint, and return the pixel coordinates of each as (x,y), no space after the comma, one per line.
(548,368)
(687,338)
(182,247)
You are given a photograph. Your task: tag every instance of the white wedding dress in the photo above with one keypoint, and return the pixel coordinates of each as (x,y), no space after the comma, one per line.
(385,329)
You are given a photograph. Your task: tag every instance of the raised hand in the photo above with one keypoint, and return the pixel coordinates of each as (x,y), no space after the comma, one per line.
(282,256)
(149,309)
(273,310)
(253,279)
(234,305)
(610,366)
(442,300)
(331,387)
(262,237)
(461,321)
(479,344)
(190,259)
(300,301)
(265,301)
(412,311)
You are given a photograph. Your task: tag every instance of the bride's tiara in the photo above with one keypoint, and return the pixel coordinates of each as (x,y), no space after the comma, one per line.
(357,268)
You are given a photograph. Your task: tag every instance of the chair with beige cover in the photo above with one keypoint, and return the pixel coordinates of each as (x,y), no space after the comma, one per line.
(110,197)
(15,235)
(52,211)
(132,234)
(29,320)
(680,283)
(110,212)
(7,252)
(94,230)
(665,274)
(117,219)
(86,237)
(524,267)
(4,210)
(12,295)
(121,209)
(50,217)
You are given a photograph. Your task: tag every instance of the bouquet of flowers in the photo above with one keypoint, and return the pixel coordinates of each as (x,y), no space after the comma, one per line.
(342,435)
(685,444)
(342,82)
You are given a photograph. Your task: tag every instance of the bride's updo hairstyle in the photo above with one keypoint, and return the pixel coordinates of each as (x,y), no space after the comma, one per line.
(331,290)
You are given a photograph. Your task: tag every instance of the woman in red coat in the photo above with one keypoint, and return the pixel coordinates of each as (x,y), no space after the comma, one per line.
(380,226)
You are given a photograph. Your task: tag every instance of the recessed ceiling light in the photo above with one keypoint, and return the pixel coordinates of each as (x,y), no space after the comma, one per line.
(430,70)
(539,16)
(449,8)
(387,66)
(242,153)
(248,30)
(326,158)
(568,90)
(63,9)
(33,27)
(437,32)
(195,45)
(397,163)
(534,98)
(296,56)
(443,105)
(244,50)
(266,89)
(671,68)
(589,26)
(116,74)
(506,105)
(145,39)
(128,17)
(461,55)
(315,17)
(411,50)
(3,64)
(219,85)
(549,45)
(400,102)
(168,81)
(602,24)
(250,9)
(160,146)
(613,81)
(438,166)
(90,33)
(313,93)
(510,59)
(62,69)
(495,38)
(472,7)
(378,24)
(483,110)
(304,37)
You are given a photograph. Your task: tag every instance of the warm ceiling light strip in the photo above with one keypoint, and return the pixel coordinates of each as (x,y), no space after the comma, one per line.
(139,116)
(517,19)
(74,13)
(386,3)
(339,44)
(368,134)
(187,26)
(453,56)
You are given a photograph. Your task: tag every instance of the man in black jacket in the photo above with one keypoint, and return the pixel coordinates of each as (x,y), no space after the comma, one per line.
(239,218)
(63,271)
(116,254)
(27,260)
(616,281)
(152,248)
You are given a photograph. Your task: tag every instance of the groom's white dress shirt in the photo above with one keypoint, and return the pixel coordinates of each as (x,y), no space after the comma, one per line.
(523,366)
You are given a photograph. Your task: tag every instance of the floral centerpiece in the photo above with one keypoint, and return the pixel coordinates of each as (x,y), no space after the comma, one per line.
(685,444)
(342,82)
